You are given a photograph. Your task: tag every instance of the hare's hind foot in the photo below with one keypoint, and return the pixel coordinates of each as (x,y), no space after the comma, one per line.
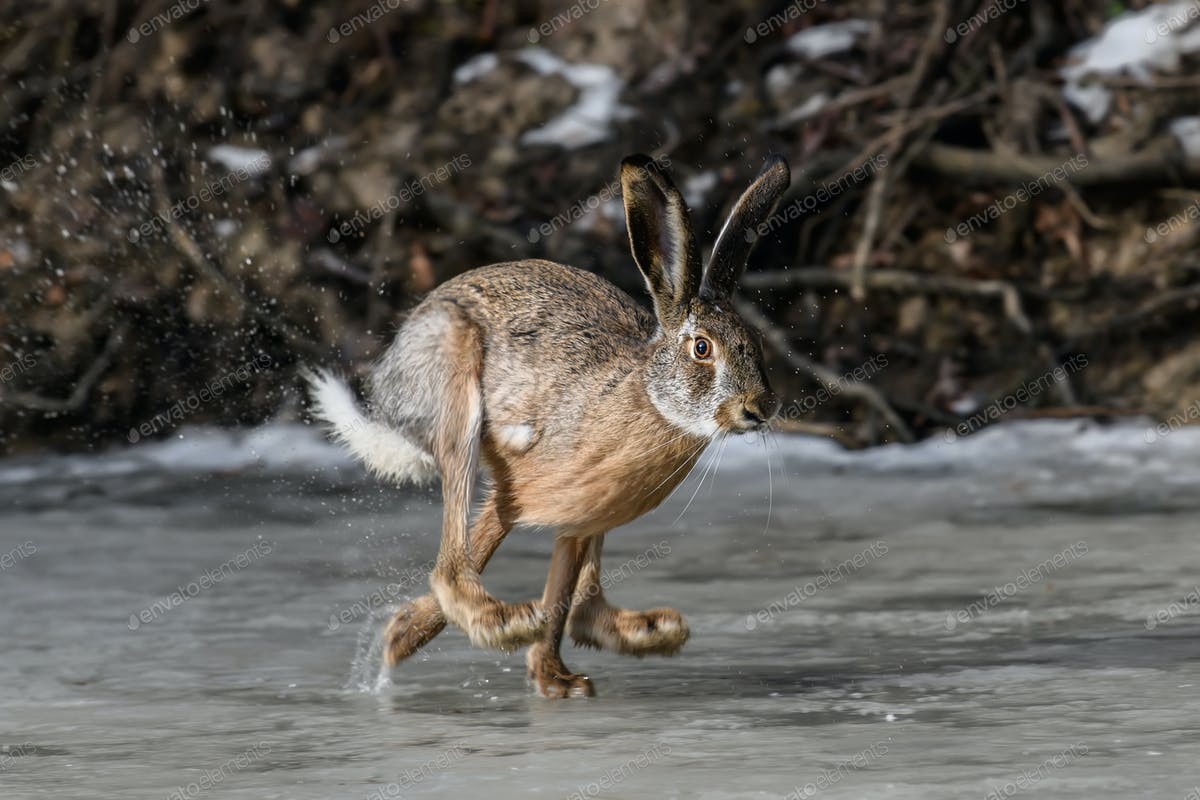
(411,628)
(488,622)
(656,632)
(551,676)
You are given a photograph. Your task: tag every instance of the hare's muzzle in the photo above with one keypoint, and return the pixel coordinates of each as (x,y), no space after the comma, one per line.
(753,412)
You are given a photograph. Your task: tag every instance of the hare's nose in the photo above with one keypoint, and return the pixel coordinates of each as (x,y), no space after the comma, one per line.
(757,410)
(762,406)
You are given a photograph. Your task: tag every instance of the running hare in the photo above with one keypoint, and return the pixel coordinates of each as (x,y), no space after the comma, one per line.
(586,409)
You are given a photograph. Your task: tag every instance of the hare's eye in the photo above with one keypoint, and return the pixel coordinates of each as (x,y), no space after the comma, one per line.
(701,348)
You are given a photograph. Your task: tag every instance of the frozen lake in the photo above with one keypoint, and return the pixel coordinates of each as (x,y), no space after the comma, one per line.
(1013,613)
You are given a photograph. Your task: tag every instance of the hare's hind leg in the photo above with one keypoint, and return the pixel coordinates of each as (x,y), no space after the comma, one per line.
(455,580)
(416,623)
(594,623)
(544,659)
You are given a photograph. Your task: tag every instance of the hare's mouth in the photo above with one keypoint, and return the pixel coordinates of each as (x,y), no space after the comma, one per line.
(739,417)
(752,420)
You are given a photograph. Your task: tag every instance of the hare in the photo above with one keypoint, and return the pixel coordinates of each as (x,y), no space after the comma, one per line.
(586,408)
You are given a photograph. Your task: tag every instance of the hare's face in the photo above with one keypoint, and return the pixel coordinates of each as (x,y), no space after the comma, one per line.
(707,376)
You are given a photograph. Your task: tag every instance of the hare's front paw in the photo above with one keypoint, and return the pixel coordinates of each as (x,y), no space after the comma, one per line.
(411,628)
(506,626)
(551,676)
(487,621)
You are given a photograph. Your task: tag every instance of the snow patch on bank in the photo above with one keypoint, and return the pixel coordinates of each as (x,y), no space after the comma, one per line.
(1138,44)
(1062,460)
(271,449)
(590,120)
(822,41)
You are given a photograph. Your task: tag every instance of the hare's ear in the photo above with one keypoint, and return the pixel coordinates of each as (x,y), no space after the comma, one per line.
(740,232)
(660,235)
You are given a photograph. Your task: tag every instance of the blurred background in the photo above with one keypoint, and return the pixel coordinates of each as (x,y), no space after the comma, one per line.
(993,210)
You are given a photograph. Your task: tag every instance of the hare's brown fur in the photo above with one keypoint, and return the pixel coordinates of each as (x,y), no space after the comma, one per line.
(586,409)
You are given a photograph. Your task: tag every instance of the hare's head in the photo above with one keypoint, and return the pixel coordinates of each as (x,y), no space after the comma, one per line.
(706,373)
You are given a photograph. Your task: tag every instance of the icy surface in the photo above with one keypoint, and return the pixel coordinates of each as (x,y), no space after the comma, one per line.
(916,664)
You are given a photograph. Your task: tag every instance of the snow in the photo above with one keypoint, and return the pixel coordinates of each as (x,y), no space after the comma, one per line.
(809,108)
(821,41)
(476,67)
(1137,43)
(589,121)
(270,449)
(1102,451)
(251,160)
(1187,131)
(697,188)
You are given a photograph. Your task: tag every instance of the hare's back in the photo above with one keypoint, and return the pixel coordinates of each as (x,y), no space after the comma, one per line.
(536,305)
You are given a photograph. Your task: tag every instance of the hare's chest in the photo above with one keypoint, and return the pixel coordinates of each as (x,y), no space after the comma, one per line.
(631,478)
(602,483)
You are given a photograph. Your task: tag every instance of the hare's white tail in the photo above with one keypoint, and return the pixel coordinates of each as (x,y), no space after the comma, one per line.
(383,448)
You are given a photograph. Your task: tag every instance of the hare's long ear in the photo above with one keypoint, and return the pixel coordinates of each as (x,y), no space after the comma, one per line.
(660,235)
(737,238)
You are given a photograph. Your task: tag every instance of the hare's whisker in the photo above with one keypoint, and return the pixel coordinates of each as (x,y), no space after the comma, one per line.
(770,484)
(703,475)
(720,455)
(682,464)
(676,489)
(664,444)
